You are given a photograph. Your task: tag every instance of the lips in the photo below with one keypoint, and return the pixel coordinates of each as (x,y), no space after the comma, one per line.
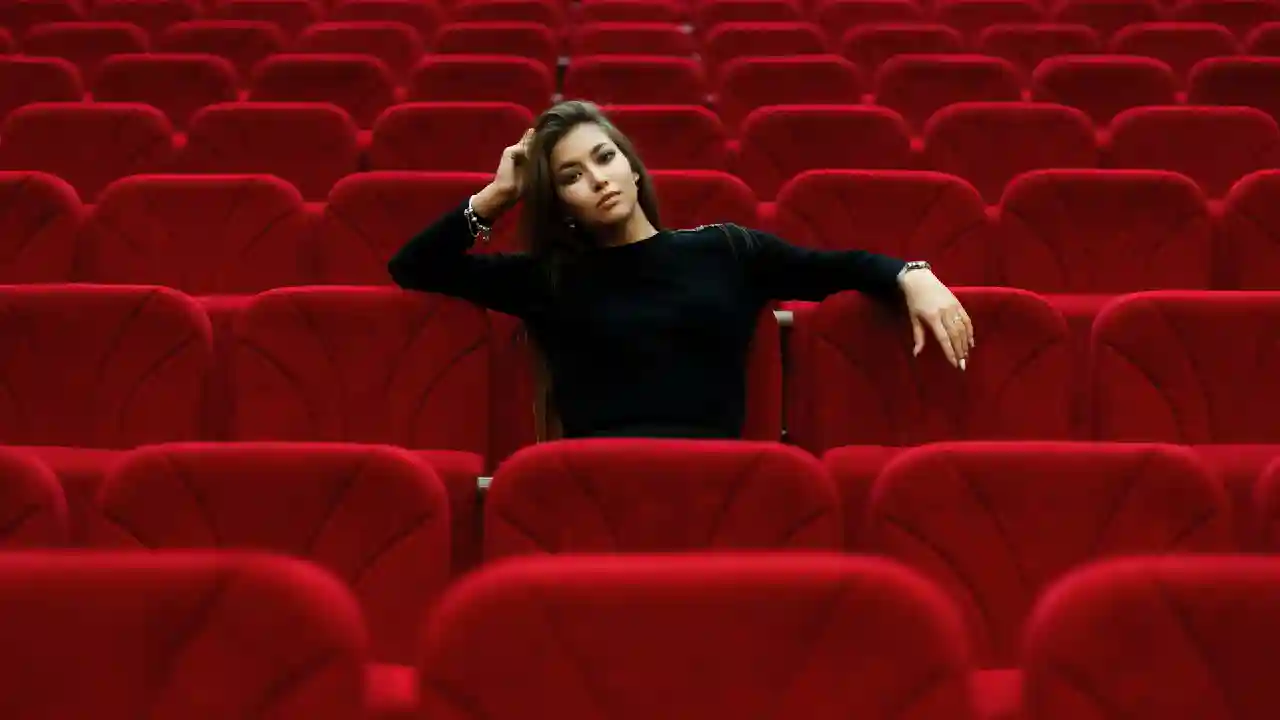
(607,197)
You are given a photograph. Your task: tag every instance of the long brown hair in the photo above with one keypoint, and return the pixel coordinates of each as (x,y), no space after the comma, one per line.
(548,235)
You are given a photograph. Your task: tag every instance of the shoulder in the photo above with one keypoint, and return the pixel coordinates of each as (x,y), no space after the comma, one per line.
(737,236)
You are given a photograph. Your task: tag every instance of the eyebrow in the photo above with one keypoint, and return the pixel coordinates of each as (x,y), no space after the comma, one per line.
(571,163)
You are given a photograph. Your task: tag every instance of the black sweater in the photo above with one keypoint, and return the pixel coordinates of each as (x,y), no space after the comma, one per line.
(649,337)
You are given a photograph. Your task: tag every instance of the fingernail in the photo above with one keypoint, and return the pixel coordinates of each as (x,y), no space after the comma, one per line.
(962,363)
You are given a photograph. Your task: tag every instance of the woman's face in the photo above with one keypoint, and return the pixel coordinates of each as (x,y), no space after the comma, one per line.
(593,178)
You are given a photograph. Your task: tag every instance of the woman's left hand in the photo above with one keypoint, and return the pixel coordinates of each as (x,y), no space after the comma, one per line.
(929,302)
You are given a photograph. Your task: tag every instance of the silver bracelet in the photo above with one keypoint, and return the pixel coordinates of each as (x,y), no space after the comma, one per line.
(474,224)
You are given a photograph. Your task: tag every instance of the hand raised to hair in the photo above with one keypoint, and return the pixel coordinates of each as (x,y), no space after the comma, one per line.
(931,303)
(510,175)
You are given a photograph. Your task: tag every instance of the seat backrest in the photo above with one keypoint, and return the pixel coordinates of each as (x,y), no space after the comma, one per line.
(106,366)
(40,216)
(33,506)
(362,364)
(374,516)
(1012,518)
(1187,367)
(821,637)
(183,635)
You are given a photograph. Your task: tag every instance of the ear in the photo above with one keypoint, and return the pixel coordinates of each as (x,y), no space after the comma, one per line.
(636,177)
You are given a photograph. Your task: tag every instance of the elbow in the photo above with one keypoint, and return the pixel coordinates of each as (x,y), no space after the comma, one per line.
(399,271)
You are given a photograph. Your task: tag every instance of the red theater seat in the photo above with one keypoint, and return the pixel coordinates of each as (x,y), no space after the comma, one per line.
(446,136)
(40,215)
(1214,146)
(87,144)
(242,42)
(291,16)
(482,78)
(869,46)
(217,234)
(1178,44)
(1249,258)
(989,144)
(1108,16)
(636,80)
(369,216)
(674,137)
(689,198)
(178,636)
(25,80)
(1104,85)
(374,516)
(693,637)
(362,85)
(903,213)
(844,136)
(398,45)
(659,496)
(1027,45)
(749,83)
(1181,638)
(532,40)
(854,381)
(629,38)
(917,86)
(1248,81)
(85,44)
(33,508)
(310,145)
(178,84)
(152,16)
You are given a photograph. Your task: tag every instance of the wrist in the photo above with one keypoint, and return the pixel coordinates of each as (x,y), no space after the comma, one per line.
(912,272)
(493,200)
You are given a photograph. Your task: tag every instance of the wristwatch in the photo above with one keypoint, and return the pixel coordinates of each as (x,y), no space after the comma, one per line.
(913,265)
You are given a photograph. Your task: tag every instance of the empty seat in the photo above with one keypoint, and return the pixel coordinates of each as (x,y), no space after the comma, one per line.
(524,39)
(989,144)
(1249,81)
(373,515)
(291,16)
(1159,357)
(87,144)
(1215,146)
(1248,257)
(854,381)
(482,78)
(1179,45)
(711,13)
(868,46)
(1108,16)
(33,509)
(25,80)
(362,85)
(844,136)
(85,44)
(153,16)
(901,213)
(402,368)
(184,635)
(1266,498)
(461,137)
(730,40)
(40,217)
(1104,85)
(662,11)
(838,17)
(177,84)
(1152,226)
(425,17)
(1058,506)
(636,80)
(971,17)
(1127,625)
(698,637)
(398,45)
(720,495)
(1026,46)
(1263,39)
(544,12)
(243,42)
(749,83)
(311,145)
(101,366)
(203,235)
(630,38)
(917,86)
(19,16)
(369,216)
(673,137)
(1238,16)
(689,198)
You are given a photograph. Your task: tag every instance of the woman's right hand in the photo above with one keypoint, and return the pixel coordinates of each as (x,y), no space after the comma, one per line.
(507,184)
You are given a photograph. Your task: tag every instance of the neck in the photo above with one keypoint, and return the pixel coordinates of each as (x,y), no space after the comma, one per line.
(634,229)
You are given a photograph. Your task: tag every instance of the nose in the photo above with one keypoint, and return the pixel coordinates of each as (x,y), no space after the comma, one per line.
(596,174)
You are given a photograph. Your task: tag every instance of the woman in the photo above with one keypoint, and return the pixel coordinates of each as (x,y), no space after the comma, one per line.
(644,331)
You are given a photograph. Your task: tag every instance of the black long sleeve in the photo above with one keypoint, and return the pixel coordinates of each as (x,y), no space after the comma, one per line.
(437,260)
(779,270)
